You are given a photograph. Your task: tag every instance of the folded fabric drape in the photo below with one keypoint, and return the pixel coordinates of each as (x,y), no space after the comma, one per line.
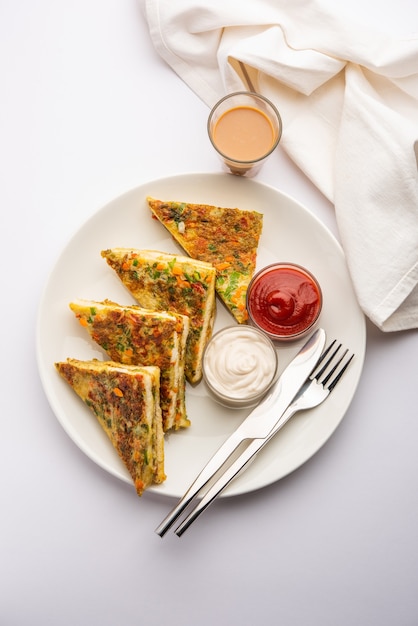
(348,96)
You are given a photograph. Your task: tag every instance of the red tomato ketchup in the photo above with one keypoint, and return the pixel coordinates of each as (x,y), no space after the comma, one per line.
(284,300)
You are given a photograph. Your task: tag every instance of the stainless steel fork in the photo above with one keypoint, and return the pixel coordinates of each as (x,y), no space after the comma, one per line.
(324,378)
(257,425)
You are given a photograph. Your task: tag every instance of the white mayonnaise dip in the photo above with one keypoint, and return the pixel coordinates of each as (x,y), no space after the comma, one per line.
(239,363)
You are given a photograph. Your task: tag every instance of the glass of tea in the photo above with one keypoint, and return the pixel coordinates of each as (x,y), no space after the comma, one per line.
(244,128)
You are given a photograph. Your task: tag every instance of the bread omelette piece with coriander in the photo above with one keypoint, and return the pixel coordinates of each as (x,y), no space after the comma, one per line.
(227,238)
(125,400)
(168,282)
(136,336)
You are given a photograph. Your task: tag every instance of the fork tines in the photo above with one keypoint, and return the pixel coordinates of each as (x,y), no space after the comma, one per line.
(330,368)
(334,362)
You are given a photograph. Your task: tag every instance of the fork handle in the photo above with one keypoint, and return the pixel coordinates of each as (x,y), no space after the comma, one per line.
(238,466)
(222,482)
(211,469)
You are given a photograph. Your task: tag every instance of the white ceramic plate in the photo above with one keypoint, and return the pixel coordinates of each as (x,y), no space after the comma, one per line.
(290,233)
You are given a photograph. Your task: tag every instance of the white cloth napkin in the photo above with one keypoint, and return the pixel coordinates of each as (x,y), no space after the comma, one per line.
(348,96)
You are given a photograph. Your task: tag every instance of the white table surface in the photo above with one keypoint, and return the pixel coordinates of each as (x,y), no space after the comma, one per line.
(88,111)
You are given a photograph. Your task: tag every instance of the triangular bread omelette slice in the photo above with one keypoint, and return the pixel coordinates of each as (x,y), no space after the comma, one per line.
(125,401)
(136,336)
(227,238)
(167,282)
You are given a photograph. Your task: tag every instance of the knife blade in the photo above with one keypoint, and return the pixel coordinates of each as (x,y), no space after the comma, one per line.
(262,419)
(259,422)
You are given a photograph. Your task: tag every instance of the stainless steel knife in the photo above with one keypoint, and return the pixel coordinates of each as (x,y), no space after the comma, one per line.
(259,422)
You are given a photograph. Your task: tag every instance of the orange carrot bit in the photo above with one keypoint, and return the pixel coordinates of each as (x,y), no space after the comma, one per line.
(126,266)
(139,485)
(160,266)
(118,392)
(229,258)
(237,295)
(222,266)
(177,271)
(182,283)
(83,321)
(129,352)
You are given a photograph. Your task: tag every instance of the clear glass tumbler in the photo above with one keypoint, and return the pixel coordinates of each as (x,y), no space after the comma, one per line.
(244,128)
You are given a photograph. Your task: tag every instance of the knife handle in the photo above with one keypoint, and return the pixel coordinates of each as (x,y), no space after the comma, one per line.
(238,466)
(211,469)
(257,427)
